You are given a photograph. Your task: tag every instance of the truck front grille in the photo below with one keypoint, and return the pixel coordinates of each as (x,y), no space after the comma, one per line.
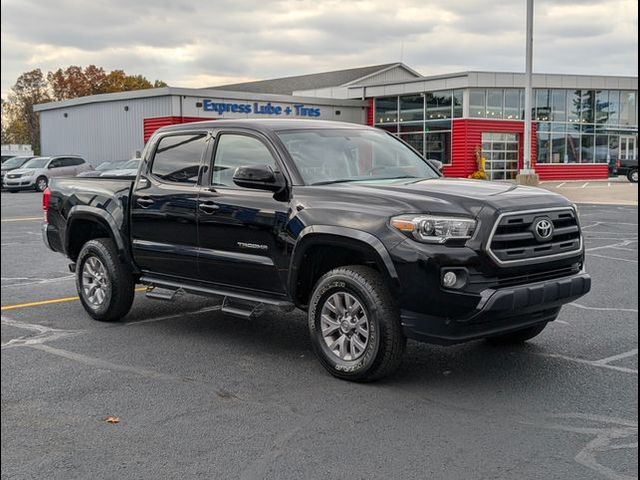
(518,237)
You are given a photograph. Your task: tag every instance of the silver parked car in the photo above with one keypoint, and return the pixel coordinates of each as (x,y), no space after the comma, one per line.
(36,173)
(126,169)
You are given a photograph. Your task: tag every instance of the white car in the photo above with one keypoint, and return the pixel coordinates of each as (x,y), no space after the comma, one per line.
(36,173)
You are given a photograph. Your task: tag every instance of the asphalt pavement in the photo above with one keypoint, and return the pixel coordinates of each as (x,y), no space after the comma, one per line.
(196,394)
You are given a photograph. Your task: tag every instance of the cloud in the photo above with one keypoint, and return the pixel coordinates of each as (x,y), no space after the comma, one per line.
(194,43)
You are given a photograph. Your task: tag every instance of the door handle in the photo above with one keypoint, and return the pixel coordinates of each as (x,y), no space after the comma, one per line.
(208,207)
(145,202)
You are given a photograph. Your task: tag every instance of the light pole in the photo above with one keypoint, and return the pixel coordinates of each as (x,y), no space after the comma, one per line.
(528,175)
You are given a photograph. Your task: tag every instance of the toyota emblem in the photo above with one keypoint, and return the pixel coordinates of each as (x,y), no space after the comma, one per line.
(544,229)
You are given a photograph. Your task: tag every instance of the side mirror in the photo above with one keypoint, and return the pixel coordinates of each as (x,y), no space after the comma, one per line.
(436,164)
(259,177)
(52,165)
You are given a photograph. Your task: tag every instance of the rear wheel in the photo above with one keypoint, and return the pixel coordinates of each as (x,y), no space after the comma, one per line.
(519,336)
(633,176)
(354,324)
(41,184)
(104,283)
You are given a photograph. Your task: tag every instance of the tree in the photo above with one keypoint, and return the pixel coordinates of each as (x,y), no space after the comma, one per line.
(20,124)
(30,89)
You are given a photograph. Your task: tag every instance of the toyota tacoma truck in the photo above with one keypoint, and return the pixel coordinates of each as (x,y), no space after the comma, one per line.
(342,221)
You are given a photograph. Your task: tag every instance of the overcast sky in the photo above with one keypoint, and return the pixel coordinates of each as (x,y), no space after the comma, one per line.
(195,43)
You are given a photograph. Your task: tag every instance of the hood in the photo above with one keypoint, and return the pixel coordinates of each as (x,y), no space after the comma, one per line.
(23,171)
(439,196)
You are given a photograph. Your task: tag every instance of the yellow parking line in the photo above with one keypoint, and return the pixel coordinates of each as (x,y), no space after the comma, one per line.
(49,302)
(21,219)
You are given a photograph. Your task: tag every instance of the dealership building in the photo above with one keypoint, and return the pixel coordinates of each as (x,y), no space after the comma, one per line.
(580,124)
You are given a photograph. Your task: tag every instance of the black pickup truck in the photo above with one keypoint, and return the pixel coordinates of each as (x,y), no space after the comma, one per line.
(626,167)
(345,222)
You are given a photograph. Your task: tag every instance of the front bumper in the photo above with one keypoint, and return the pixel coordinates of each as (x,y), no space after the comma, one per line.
(499,311)
(18,183)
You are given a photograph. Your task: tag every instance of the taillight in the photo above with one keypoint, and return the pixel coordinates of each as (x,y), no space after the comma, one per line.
(618,163)
(46,196)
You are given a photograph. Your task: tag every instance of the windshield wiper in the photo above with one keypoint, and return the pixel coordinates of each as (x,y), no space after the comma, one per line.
(342,180)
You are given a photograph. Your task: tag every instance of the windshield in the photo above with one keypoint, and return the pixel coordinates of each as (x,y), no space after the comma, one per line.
(130,165)
(15,162)
(38,162)
(341,155)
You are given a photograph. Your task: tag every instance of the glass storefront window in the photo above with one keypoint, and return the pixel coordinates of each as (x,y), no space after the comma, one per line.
(437,146)
(602,106)
(573,147)
(495,102)
(558,147)
(411,108)
(587,144)
(542,105)
(477,103)
(602,149)
(543,147)
(574,100)
(512,104)
(614,107)
(559,105)
(628,108)
(386,110)
(457,103)
(438,105)
(587,106)
(415,140)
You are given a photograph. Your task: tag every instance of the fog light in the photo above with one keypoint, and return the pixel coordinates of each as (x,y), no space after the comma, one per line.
(449,280)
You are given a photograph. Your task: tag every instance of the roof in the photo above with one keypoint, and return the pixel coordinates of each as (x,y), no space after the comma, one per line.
(336,78)
(266,124)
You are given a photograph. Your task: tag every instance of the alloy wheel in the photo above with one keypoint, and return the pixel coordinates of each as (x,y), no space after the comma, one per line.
(345,326)
(95,281)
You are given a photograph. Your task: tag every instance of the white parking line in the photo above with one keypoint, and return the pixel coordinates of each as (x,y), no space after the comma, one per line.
(560,186)
(583,361)
(620,356)
(612,258)
(603,309)
(585,185)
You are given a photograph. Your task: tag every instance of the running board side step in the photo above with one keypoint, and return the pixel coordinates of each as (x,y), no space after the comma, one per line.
(229,295)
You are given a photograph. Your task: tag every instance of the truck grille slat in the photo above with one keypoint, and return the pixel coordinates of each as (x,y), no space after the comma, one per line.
(514,238)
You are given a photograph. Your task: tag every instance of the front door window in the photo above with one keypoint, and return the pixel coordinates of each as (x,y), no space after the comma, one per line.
(500,152)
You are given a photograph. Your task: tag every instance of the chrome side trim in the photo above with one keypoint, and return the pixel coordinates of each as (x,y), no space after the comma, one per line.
(543,258)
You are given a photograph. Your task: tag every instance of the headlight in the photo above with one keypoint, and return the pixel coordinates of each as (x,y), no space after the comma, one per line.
(434,229)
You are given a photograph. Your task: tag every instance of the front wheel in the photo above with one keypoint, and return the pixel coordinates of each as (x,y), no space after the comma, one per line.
(354,324)
(519,336)
(633,176)
(104,283)
(42,183)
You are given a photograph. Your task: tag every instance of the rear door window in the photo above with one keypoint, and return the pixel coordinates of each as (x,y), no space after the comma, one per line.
(177,157)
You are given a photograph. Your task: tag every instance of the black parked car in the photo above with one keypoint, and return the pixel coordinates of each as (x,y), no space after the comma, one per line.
(628,168)
(345,222)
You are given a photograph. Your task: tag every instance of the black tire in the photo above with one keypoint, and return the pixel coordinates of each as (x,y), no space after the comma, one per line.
(386,343)
(632,176)
(119,283)
(519,336)
(41,184)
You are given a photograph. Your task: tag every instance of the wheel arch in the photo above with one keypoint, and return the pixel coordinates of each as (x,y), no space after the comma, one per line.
(86,223)
(322,248)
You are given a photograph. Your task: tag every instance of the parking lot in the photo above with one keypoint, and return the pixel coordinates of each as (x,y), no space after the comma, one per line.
(198,393)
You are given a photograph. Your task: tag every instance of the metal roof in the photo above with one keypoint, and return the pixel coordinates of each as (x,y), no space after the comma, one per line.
(336,78)
(267,124)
